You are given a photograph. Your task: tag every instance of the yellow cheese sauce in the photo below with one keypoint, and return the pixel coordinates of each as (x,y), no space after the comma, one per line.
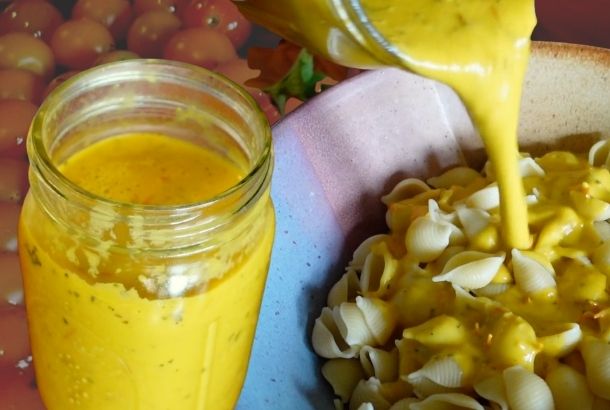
(480,48)
(104,338)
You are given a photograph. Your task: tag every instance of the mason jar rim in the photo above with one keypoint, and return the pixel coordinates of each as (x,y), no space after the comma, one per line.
(39,156)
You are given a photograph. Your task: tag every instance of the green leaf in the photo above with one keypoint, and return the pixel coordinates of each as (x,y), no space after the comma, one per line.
(300,82)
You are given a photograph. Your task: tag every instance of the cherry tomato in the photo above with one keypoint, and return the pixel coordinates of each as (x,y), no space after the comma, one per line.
(57,81)
(584,21)
(116,55)
(151,31)
(115,15)
(36,17)
(142,6)
(21,50)
(18,389)
(9,217)
(14,330)
(78,43)
(200,46)
(15,119)
(13,179)
(11,285)
(21,85)
(221,15)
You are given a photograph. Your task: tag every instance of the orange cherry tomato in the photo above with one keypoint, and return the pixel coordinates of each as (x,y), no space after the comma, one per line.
(220,15)
(36,17)
(151,31)
(142,6)
(116,55)
(23,51)
(78,43)
(11,286)
(200,46)
(14,330)
(13,179)
(15,119)
(115,15)
(9,218)
(58,80)
(21,85)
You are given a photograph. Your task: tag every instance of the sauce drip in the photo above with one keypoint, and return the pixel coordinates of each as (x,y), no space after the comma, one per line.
(480,48)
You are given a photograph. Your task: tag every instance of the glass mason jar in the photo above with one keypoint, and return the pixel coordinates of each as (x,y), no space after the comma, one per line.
(135,306)
(337,29)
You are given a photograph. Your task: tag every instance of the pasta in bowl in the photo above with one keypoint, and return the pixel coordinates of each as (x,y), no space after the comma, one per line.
(431,312)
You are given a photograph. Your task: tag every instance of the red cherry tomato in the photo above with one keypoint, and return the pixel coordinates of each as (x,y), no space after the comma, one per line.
(78,43)
(115,15)
(116,55)
(200,46)
(142,6)
(151,31)
(11,285)
(13,179)
(15,119)
(21,50)
(21,85)
(36,17)
(18,389)
(14,330)
(57,81)
(221,15)
(9,217)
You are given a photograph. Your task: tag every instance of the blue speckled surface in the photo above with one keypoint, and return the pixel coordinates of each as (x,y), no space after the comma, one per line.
(283,372)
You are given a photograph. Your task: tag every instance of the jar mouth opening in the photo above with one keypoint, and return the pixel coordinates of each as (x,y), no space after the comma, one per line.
(153,71)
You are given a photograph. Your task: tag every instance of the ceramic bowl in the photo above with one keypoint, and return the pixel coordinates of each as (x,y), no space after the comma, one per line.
(337,154)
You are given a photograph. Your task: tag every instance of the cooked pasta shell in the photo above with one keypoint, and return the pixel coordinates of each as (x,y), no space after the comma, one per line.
(603,230)
(363,250)
(405,189)
(487,198)
(352,324)
(327,340)
(591,208)
(411,357)
(493,289)
(447,401)
(461,176)
(600,404)
(426,239)
(470,269)
(439,331)
(404,404)
(526,390)
(442,370)
(596,354)
(531,275)
(528,167)
(569,388)
(338,403)
(379,363)
(424,387)
(492,388)
(379,316)
(601,257)
(369,391)
(562,342)
(378,271)
(438,215)
(598,153)
(366,406)
(343,375)
(473,220)
(603,320)
(514,342)
(345,290)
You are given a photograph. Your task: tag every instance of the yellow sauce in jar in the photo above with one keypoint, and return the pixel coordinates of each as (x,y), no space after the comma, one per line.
(106,338)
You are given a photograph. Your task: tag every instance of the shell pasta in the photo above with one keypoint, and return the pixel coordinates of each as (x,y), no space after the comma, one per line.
(439,314)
